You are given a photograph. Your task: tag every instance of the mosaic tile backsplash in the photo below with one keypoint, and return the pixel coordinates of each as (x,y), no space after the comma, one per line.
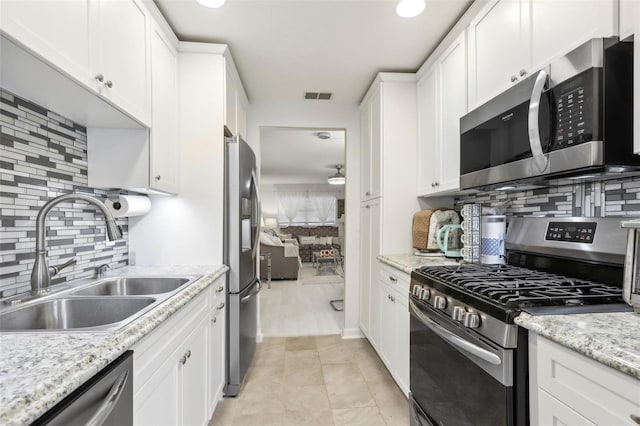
(43,155)
(619,197)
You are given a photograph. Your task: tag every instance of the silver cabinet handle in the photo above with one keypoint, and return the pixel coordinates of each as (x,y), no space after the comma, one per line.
(539,159)
(183,360)
(99,78)
(157,177)
(392,278)
(393,299)
(635,418)
(453,339)
(367,206)
(437,183)
(523,72)
(219,289)
(214,320)
(109,84)
(513,78)
(110,401)
(367,193)
(189,353)
(220,306)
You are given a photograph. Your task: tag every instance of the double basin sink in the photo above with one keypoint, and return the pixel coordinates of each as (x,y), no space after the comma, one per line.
(104,305)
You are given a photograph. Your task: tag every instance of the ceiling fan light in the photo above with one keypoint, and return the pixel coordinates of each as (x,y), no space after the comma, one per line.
(338,178)
(410,8)
(211,3)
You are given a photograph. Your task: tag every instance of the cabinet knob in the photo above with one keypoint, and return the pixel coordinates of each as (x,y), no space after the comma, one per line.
(189,353)
(367,206)
(513,78)
(183,360)
(157,177)
(99,78)
(523,72)
(214,320)
(393,299)
(109,84)
(220,306)
(635,418)
(392,278)
(219,289)
(367,193)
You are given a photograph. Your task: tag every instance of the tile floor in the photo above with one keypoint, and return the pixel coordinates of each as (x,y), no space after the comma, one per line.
(290,308)
(317,381)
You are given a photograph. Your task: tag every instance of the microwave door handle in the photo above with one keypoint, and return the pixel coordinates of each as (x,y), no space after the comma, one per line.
(539,159)
(629,266)
(453,339)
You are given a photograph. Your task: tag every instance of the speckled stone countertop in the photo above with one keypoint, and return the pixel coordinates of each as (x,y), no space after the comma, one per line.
(610,338)
(409,262)
(37,370)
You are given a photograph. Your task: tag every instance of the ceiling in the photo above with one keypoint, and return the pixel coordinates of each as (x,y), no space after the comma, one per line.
(283,48)
(294,155)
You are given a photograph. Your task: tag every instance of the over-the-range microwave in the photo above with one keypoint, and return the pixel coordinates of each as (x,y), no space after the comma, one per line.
(573,118)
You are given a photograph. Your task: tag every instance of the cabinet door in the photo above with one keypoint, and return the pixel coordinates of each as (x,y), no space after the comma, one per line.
(241,116)
(386,340)
(365,267)
(377,122)
(122,55)
(217,348)
(558,27)
(402,321)
(164,149)
(553,412)
(157,402)
(498,48)
(428,147)
(365,151)
(374,251)
(230,103)
(452,76)
(630,27)
(44,27)
(194,370)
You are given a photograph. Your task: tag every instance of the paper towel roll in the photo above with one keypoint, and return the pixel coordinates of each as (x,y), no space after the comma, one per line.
(129,205)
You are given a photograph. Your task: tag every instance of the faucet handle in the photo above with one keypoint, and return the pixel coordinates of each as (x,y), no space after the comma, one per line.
(54,270)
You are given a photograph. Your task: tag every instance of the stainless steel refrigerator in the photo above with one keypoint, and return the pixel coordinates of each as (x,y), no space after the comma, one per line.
(241,236)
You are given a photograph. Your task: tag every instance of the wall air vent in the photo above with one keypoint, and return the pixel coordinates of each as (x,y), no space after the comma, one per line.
(323,96)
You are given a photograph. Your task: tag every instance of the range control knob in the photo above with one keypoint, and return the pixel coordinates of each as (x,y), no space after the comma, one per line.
(471,320)
(439,302)
(416,290)
(458,313)
(425,294)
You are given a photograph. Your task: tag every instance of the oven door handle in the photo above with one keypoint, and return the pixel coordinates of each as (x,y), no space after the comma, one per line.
(453,339)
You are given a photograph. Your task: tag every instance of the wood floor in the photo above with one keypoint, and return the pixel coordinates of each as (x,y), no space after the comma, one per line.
(316,381)
(290,308)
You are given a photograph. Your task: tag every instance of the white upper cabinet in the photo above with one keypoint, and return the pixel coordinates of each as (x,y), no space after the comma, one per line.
(630,28)
(164,143)
(44,28)
(370,150)
(498,48)
(121,52)
(235,111)
(510,39)
(442,100)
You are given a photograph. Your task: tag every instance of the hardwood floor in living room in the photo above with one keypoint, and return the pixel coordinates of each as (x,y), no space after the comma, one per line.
(291,308)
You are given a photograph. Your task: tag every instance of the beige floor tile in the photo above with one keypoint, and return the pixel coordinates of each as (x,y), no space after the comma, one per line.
(306,418)
(278,418)
(300,374)
(341,374)
(261,398)
(308,398)
(371,366)
(368,416)
(395,414)
(272,341)
(300,343)
(328,342)
(225,411)
(336,355)
(386,392)
(351,395)
(306,357)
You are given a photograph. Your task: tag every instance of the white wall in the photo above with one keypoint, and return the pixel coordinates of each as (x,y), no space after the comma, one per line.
(269,199)
(187,229)
(329,115)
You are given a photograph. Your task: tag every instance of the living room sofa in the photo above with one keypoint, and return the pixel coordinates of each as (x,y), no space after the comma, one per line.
(306,250)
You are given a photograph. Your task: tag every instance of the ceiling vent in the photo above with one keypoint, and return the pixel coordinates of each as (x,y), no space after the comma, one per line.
(322,96)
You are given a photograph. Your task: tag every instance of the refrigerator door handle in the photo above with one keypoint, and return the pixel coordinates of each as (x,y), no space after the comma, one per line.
(258,287)
(256,240)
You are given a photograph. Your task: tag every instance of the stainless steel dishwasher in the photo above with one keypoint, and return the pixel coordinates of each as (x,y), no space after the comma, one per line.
(105,399)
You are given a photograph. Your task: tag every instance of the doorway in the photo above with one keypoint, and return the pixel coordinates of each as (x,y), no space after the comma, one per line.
(302,188)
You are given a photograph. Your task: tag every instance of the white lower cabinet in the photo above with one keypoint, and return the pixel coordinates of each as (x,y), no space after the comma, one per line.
(393,313)
(177,366)
(568,388)
(217,336)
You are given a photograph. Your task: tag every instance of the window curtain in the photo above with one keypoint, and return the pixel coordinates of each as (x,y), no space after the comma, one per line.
(290,203)
(324,205)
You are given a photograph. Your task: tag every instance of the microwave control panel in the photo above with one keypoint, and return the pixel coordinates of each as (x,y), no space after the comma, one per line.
(574,102)
(571,232)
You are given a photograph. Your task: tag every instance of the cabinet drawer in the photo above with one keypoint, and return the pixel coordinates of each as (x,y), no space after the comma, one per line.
(554,412)
(397,279)
(599,393)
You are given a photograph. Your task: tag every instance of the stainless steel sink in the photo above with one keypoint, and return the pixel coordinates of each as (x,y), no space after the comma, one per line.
(102,313)
(132,286)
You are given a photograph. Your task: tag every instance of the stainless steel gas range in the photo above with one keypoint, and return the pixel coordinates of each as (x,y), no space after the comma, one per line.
(468,360)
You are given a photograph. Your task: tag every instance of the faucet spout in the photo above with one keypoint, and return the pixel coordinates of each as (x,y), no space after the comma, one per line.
(41,274)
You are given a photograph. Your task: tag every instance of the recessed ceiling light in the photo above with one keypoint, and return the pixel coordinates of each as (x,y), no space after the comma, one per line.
(211,3)
(410,8)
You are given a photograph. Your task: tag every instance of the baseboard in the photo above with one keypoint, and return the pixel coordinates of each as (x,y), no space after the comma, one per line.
(259,336)
(352,333)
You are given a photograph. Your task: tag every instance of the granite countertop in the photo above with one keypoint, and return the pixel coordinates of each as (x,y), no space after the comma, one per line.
(610,338)
(409,262)
(37,370)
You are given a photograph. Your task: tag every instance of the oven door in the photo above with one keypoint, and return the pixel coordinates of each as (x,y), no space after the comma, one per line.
(457,377)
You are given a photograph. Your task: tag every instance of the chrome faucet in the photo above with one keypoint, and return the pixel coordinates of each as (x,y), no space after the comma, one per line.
(100,270)
(42,273)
